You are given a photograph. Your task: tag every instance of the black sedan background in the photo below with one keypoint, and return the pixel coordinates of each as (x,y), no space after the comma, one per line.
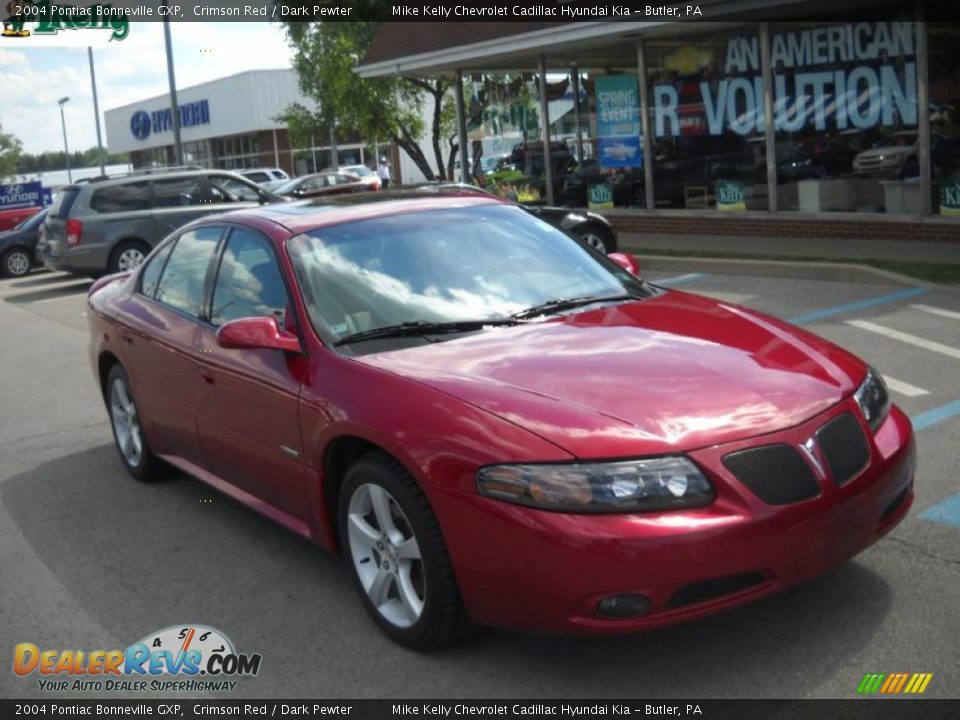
(18,247)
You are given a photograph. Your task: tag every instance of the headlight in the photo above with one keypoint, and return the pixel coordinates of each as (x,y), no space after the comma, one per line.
(656,484)
(873,399)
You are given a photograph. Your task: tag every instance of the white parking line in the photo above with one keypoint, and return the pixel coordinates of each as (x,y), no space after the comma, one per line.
(907,338)
(938,311)
(899,386)
(58,298)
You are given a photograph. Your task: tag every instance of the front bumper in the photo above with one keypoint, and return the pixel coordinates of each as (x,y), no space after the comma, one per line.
(528,569)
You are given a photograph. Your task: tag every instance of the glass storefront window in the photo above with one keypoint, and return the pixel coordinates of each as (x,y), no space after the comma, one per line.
(707,121)
(943,43)
(610,173)
(845,112)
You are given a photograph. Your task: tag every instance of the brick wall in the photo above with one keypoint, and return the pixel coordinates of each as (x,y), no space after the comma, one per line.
(784,225)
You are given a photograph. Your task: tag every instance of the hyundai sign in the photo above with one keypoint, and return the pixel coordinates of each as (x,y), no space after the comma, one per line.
(21,195)
(143,123)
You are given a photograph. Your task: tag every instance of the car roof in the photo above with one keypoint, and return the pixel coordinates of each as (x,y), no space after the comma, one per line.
(139,177)
(305,215)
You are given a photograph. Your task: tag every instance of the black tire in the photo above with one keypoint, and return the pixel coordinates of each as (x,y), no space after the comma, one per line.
(145,467)
(16,262)
(443,617)
(597,237)
(121,255)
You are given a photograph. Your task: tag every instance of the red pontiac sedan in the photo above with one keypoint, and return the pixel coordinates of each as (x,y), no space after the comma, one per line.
(493,422)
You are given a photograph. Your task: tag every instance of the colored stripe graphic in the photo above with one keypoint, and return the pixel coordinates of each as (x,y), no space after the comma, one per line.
(870,683)
(894,683)
(859,305)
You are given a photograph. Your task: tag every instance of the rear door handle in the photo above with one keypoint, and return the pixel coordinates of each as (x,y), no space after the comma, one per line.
(207,376)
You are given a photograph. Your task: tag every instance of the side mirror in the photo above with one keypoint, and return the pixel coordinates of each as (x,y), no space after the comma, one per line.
(627,262)
(257,332)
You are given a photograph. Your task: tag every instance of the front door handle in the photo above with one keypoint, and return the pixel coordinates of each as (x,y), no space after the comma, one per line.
(207,376)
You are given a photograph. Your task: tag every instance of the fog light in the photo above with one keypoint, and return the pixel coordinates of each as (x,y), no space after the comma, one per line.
(623,606)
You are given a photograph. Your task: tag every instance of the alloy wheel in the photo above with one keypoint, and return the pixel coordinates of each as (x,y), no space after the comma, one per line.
(386,555)
(129,259)
(594,241)
(126,423)
(17,263)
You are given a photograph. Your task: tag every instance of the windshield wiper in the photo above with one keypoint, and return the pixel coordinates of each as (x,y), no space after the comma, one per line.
(552,306)
(423,327)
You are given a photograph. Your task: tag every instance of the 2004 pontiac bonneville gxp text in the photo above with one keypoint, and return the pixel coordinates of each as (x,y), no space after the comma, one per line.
(494,422)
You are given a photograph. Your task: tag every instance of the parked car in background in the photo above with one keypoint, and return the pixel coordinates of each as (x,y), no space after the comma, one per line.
(262,176)
(895,156)
(590,227)
(366,175)
(323,183)
(492,422)
(818,158)
(18,247)
(106,226)
(9,219)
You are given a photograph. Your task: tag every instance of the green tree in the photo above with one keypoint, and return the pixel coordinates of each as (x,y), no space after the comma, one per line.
(10,149)
(325,56)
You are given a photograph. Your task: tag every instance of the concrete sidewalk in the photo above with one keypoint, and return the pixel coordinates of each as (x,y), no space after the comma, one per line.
(787,248)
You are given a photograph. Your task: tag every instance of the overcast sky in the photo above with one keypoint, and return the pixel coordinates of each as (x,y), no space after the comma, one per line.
(36,74)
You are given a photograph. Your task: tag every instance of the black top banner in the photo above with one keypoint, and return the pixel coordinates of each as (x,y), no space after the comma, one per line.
(84,13)
(861,709)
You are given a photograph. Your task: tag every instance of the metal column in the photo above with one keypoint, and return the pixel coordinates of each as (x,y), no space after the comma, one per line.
(174,107)
(461,129)
(96,111)
(645,129)
(768,119)
(575,73)
(923,111)
(545,132)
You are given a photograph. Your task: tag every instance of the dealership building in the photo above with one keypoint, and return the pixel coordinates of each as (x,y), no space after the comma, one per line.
(837,120)
(229,123)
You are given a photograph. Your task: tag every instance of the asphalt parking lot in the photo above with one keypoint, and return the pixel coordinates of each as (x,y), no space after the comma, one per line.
(91,559)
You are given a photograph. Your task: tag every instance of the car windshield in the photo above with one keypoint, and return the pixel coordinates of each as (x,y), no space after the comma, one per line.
(361,170)
(445,266)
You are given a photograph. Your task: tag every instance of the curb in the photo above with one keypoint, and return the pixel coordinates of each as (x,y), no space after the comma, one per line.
(837,272)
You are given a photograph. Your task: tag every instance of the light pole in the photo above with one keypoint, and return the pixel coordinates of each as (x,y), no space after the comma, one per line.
(66,149)
(174,106)
(96,110)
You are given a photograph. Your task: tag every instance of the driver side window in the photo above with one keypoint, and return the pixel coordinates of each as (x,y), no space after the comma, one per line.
(249,282)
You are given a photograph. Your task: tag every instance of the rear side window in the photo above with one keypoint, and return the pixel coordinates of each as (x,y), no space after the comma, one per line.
(182,192)
(121,198)
(63,202)
(235,188)
(181,283)
(257,177)
(150,277)
(249,283)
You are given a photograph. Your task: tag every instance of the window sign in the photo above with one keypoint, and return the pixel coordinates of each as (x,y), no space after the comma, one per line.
(730,195)
(853,76)
(618,121)
(950,198)
(600,196)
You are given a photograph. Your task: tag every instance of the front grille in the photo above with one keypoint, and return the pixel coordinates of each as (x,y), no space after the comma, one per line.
(774,473)
(712,589)
(844,446)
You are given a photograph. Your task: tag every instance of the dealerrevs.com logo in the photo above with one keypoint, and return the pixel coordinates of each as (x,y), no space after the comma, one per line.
(50,18)
(178,658)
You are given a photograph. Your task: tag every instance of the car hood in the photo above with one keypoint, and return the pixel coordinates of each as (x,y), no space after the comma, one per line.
(671,373)
(887,151)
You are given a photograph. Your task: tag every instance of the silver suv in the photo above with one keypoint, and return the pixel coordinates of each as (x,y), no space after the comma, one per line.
(110,225)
